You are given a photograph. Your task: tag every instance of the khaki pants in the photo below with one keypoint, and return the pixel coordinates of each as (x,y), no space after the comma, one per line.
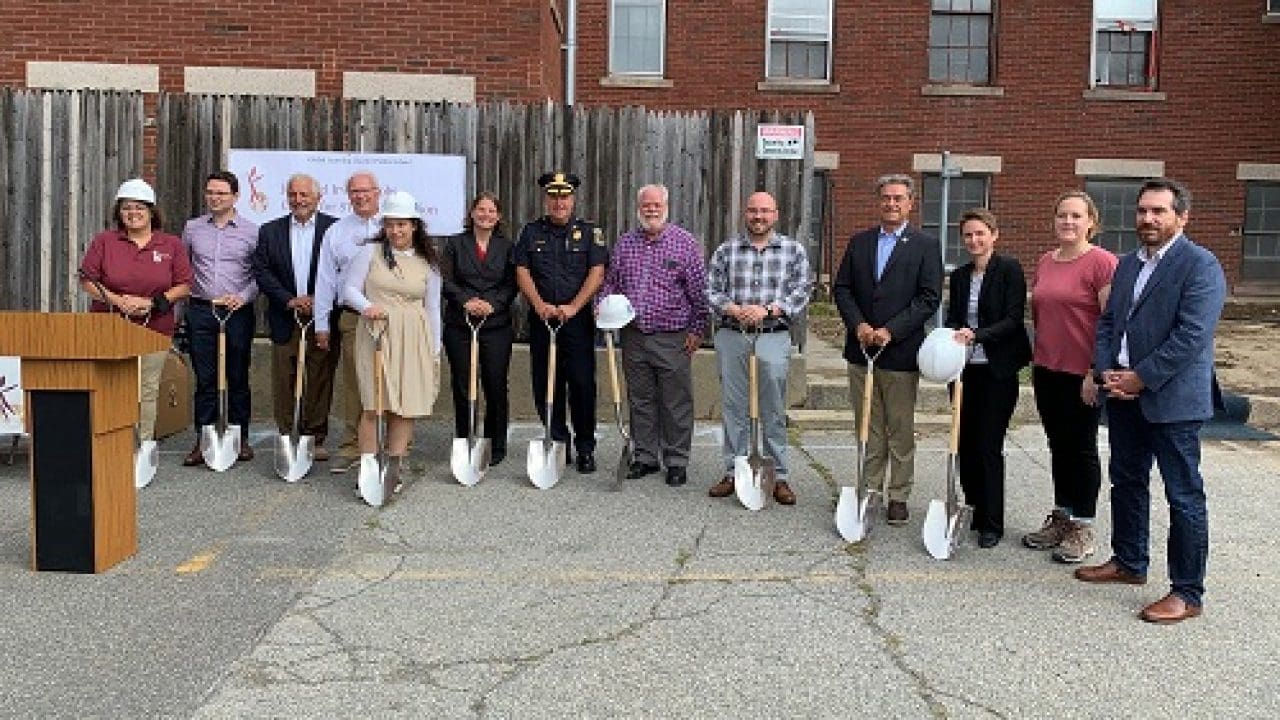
(317,389)
(152,366)
(891,440)
(351,408)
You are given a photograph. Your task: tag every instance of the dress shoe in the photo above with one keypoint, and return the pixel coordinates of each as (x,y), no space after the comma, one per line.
(321,454)
(496,455)
(1168,610)
(246,451)
(988,539)
(1109,572)
(586,462)
(637,470)
(896,513)
(724,488)
(676,476)
(193,458)
(782,493)
(343,463)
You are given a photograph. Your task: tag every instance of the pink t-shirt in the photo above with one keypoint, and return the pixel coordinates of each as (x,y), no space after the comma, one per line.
(1065,309)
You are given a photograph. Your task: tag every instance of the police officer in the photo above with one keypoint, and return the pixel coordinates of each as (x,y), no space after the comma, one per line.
(560,262)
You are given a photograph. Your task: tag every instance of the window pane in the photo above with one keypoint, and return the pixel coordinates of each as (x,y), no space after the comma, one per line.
(1116,199)
(800,19)
(964,192)
(1143,10)
(938,29)
(978,71)
(636,45)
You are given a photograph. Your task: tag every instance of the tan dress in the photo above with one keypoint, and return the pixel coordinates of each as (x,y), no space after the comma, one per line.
(411,345)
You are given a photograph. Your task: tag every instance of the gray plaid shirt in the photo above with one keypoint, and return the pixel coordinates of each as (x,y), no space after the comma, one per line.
(778,274)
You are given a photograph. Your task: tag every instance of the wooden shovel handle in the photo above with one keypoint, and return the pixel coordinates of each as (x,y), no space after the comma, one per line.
(301,371)
(954,443)
(864,423)
(475,367)
(377,377)
(551,371)
(754,392)
(222,360)
(613,371)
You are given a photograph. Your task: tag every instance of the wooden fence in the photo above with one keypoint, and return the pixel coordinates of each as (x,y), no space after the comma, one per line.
(93,141)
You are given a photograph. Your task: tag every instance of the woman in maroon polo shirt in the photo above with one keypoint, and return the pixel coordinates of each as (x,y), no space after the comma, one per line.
(144,272)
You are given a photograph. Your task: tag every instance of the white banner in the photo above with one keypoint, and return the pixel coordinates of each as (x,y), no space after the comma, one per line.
(437,182)
(11,403)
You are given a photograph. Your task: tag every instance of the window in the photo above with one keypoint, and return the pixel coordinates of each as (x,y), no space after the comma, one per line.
(964,192)
(1273,7)
(799,40)
(960,42)
(1117,201)
(1124,44)
(637,37)
(1261,232)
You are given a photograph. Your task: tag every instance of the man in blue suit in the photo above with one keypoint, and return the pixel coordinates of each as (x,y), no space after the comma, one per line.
(1154,358)
(284,264)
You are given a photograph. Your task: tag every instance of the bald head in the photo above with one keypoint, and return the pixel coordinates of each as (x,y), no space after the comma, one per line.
(761,216)
(364,193)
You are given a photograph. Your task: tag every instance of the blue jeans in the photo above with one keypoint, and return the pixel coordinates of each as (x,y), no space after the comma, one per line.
(773,355)
(1135,442)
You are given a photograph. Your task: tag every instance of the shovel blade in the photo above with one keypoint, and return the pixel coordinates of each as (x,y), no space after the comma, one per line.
(220,450)
(941,530)
(145,462)
(545,466)
(293,463)
(370,481)
(746,487)
(853,514)
(466,463)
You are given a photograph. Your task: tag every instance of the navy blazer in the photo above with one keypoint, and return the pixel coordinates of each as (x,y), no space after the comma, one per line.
(1002,305)
(466,277)
(273,269)
(903,300)
(1170,330)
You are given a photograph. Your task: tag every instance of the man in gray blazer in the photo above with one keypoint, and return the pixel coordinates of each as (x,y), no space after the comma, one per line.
(1154,358)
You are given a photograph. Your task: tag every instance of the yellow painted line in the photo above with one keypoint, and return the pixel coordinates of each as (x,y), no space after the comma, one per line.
(197,563)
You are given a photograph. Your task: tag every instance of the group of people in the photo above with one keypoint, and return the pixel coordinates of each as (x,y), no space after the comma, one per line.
(1137,332)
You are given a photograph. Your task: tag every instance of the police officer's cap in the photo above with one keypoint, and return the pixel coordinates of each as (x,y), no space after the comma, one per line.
(559,183)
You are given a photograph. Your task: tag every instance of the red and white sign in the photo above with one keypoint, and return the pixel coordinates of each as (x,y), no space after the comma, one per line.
(780,142)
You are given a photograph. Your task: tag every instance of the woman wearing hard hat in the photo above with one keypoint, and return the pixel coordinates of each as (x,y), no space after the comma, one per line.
(139,271)
(986,307)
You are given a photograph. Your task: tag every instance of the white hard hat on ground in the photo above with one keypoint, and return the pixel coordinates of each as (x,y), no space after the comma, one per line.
(136,189)
(941,358)
(615,312)
(400,205)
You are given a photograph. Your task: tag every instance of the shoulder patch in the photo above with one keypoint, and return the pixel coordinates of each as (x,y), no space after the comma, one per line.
(599,237)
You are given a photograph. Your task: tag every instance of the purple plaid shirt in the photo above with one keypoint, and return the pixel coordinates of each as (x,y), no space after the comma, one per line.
(663,278)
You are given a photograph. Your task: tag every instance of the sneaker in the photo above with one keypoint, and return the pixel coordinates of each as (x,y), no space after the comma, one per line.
(1051,534)
(1076,546)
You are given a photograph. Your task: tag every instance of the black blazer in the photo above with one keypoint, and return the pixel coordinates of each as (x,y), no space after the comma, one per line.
(1002,304)
(465,277)
(903,300)
(273,269)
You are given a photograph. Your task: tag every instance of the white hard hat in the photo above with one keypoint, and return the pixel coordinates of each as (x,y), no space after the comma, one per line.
(941,358)
(401,205)
(615,312)
(136,189)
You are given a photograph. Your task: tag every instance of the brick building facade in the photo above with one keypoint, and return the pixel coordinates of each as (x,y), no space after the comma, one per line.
(1030,98)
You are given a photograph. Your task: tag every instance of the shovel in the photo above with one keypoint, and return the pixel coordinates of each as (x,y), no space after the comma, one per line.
(753,476)
(220,443)
(945,523)
(628,446)
(379,478)
(852,511)
(469,458)
(545,461)
(296,452)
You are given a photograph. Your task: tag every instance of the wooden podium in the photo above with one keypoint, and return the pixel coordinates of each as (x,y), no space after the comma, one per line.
(80,378)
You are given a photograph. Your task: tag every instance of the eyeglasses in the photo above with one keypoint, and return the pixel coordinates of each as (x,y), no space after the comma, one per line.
(362,191)
(134,208)
(218,193)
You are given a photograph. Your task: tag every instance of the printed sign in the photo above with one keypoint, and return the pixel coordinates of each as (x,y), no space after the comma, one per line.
(11,404)
(780,142)
(437,182)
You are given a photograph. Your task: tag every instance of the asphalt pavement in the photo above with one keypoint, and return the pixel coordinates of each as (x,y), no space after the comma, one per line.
(250,597)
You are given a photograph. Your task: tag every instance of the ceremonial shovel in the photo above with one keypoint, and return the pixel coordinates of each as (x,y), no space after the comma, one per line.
(546,457)
(628,446)
(295,452)
(469,457)
(852,519)
(753,476)
(220,443)
(945,523)
(378,477)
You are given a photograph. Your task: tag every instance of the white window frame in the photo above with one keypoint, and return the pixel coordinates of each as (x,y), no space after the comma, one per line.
(1137,15)
(770,37)
(662,44)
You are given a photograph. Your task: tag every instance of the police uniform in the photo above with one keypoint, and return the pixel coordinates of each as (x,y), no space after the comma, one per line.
(558,258)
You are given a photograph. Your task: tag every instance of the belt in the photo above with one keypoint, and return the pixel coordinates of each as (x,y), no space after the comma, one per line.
(199,301)
(776,327)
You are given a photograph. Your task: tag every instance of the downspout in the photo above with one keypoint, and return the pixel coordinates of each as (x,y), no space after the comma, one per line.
(570,76)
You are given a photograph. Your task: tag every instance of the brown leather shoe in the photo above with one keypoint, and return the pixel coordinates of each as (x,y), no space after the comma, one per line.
(724,488)
(246,452)
(1109,572)
(896,513)
(782,494)
(193,458)
(1168,610)
(321,454)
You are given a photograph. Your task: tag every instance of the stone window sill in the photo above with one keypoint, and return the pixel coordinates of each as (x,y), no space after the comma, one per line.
(821,87)
(635,81)
(1271,19)
(1115,94)
(940,90)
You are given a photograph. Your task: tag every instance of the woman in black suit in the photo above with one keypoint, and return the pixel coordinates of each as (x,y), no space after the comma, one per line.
(479,281)
(987,302)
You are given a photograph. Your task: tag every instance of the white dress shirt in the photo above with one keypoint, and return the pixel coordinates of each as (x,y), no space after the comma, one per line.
(339,246)
(1149,262)
(301,239)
